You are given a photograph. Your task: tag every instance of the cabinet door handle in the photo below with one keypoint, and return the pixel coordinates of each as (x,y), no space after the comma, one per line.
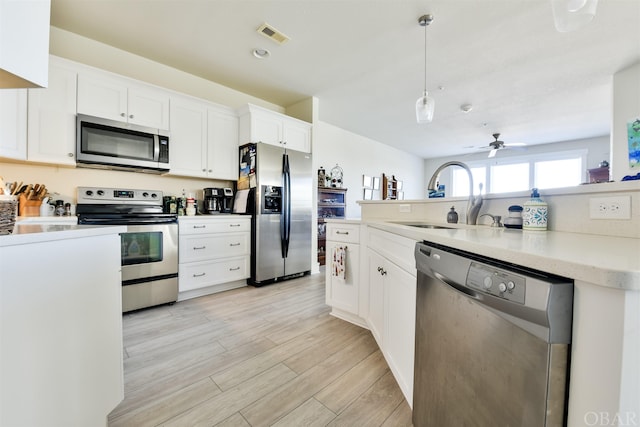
(123,115)
(381,271)
(342,232)
(131,116)
(199,226)
(234,244)
(199,275)
(234,225)
(234,269)
(197,248)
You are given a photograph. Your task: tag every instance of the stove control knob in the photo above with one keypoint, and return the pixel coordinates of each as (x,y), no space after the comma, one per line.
(89,193)
(100,193)
(145,194)
(511,285)
(502,287)
(487,282)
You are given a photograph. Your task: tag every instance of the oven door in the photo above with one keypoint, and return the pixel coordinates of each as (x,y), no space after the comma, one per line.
(149,252)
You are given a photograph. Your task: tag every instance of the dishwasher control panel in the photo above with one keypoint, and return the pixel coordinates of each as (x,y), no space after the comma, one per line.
(494,281)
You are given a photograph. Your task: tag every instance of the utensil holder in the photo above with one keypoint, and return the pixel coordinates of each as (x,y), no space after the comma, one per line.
(29,207)
(8,209)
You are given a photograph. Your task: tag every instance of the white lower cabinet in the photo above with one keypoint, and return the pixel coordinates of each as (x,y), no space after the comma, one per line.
(378,291)
(392,302)
(214,254)
(343,295)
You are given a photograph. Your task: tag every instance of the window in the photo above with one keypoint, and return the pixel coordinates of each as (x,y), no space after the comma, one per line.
(510,174)
(460,181)
(510,177)
(558,173)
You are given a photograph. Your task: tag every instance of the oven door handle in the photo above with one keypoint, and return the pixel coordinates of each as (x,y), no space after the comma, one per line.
(133,221)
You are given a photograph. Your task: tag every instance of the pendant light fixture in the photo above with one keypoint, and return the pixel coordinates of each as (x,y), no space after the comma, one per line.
(425,104)
(570,15)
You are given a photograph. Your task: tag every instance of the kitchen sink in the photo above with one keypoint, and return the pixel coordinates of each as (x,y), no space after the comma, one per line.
(424,225)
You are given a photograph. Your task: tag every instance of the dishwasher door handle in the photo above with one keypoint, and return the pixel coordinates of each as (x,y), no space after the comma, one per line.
(458,287)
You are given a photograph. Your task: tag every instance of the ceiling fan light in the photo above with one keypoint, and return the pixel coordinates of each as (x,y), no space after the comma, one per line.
(425,106)
(570,15)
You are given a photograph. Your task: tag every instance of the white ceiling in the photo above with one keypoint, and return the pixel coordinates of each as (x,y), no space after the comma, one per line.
(364,61)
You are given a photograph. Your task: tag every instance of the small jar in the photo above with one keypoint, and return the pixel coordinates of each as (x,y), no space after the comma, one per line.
(59,208)
(452,216)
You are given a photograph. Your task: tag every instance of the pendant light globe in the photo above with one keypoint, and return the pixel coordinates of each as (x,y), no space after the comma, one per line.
(425,105)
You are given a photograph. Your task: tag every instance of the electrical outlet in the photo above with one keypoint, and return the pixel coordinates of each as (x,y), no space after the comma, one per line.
(615,207)
(405,208)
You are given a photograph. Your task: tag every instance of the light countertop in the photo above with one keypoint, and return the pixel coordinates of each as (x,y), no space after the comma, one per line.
(602,260)
(26,233)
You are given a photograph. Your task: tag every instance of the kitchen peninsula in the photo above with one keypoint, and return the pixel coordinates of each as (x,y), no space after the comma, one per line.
(60,325)
(604,376)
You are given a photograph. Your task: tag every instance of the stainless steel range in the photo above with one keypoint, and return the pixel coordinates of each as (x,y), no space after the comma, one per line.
(149,247)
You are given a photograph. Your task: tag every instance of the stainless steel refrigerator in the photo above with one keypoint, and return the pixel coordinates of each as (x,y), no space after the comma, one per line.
(279,184)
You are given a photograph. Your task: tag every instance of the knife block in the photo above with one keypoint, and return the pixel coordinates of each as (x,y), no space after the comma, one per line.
(28,207)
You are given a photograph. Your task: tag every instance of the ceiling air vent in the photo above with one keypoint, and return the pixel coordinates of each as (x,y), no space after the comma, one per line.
(273,34)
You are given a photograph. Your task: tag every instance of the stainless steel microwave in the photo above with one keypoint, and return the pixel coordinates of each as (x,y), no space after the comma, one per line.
(109,144)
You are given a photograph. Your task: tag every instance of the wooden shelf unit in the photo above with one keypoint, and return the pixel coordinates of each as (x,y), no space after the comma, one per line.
(389,187)
(332,203)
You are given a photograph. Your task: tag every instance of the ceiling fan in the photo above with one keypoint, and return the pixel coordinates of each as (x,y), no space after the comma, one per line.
(499,145)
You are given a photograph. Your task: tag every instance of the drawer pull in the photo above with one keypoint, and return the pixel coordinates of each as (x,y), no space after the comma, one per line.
(199,226)
(342,232)
(234,244)
(234,269)
(199,275)
(197,248)
(234,225)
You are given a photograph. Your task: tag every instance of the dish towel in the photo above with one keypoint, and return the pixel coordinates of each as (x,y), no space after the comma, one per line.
(339,262)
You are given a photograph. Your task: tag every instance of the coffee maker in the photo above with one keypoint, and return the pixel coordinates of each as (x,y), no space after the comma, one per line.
(217,200)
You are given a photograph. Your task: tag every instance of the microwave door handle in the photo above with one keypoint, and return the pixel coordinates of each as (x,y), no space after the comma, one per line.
(156,148)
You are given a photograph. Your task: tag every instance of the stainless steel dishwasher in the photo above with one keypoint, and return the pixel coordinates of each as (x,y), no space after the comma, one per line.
(492,342)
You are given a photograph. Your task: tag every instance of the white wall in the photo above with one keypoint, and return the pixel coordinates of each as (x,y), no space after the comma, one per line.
(626,107)
(358,155)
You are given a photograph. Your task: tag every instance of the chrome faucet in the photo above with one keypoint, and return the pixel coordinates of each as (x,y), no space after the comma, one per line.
(474,204)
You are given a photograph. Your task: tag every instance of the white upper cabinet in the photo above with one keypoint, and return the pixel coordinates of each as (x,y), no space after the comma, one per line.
(222,144)
(52,117)
(24,43)
(188,140)
(261,125)
(13,123)
(204,139)
(102,95)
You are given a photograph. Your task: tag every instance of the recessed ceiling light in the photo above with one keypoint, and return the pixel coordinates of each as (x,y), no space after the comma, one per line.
(261,53)
(466,108)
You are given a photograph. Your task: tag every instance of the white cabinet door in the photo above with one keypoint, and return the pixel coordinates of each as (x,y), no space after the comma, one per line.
(266,128)
(376,296)
(24,42)
(222,147)
(13,123)
(101,96)
(344,294)
(52,117)
(148,107)
(400,317)
(297,135)
(188,141)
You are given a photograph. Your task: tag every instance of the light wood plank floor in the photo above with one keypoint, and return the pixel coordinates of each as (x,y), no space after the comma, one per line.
(270,356)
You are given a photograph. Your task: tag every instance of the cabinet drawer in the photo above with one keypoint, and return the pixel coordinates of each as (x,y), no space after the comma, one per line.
(217,225)
(348,233)
(201,274)
(212,246)
(396,249)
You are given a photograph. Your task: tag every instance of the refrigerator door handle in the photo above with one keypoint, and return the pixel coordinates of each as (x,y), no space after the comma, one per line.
(285,217)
